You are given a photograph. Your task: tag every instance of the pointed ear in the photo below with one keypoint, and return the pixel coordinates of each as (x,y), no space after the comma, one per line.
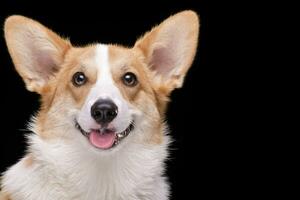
(169,48)
(36,51)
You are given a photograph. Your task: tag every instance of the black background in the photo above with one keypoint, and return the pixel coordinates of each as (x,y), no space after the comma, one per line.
(192,168)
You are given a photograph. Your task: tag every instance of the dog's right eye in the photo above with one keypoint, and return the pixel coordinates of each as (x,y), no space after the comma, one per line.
(79,79)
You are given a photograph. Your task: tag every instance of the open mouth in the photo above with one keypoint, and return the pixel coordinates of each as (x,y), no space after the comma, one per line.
(105,138)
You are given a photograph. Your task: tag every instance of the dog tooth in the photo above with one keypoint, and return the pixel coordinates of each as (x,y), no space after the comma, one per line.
(120,135)
(117,141)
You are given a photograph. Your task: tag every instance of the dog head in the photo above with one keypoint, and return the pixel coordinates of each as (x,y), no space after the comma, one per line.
(102,94)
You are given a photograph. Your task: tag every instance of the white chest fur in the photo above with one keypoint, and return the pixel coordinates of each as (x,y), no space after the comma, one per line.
(60,171)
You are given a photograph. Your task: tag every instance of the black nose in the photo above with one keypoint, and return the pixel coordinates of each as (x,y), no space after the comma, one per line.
(104,111)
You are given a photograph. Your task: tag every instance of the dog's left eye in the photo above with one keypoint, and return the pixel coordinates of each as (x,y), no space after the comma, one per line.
(129,79)
(79,79)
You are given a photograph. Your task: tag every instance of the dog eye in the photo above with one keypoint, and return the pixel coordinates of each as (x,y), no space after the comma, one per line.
(129,79)
(79,79)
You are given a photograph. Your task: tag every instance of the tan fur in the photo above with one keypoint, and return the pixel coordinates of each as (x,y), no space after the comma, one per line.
(28,161)
(4,196)
(122,61)
(78,60)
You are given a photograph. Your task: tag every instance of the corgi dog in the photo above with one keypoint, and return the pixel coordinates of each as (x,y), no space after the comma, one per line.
(100,133)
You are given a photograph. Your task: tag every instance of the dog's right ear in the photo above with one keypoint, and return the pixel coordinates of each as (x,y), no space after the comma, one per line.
(36,51)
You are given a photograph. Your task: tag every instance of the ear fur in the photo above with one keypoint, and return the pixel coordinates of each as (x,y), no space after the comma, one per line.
(36,51)
(170,47)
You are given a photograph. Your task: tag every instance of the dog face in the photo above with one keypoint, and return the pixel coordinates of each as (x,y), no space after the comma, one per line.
(102,95)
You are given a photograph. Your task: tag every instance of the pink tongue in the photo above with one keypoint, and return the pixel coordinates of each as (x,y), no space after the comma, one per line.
(103,141)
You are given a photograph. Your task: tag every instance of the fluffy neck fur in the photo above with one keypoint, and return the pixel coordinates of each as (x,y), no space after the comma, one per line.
(72,169)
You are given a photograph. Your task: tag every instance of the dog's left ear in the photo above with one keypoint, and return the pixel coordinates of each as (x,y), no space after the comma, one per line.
(169,48)
(36,51)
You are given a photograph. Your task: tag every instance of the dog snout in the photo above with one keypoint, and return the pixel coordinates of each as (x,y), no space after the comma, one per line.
(104,111)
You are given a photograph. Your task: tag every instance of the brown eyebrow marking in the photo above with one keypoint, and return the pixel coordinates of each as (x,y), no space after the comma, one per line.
(125,67)
(82,67)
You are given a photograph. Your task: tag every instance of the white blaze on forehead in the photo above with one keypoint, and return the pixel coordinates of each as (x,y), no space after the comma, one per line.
(105,88)
(102,63)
